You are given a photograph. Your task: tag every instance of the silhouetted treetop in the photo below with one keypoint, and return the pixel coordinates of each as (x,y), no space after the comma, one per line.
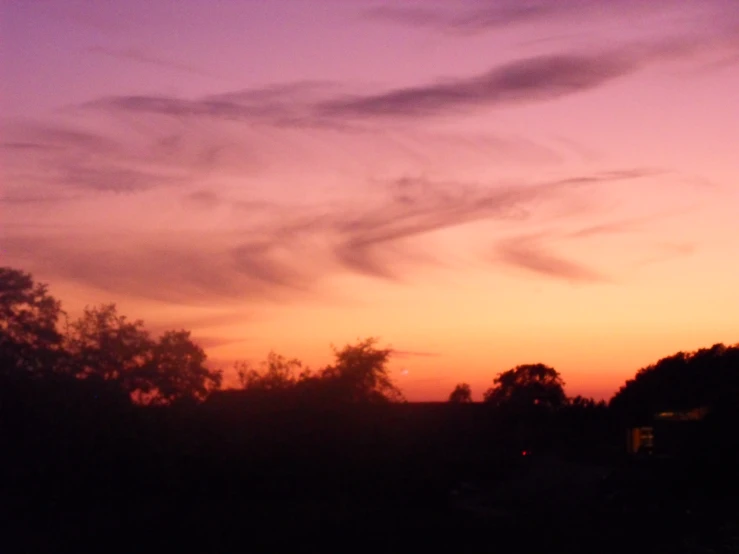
(360,374)
(581,402)
(461,393)
(108,346)
(105,346)
(27,312)
(527,385)
(29,317)
(683,381)
(277,373)
(176,371)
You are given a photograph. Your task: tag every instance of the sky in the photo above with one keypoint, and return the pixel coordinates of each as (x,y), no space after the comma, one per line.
(479,184)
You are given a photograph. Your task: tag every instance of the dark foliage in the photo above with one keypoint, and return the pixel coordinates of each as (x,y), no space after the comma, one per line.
(29,316)
(526,386)
(461,393)
(102,348)
(359,374)
(706,378)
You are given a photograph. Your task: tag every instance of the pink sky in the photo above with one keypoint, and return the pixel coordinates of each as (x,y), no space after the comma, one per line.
(477,183)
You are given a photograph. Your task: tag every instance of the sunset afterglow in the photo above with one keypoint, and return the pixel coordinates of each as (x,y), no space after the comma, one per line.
(479,184)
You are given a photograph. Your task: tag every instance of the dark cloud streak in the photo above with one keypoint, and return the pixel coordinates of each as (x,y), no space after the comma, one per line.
(318,104)
(187,273)
(371,242)
(474,16)
(528,254)
(287,256)
(473,19)
(531,79)
(289,104)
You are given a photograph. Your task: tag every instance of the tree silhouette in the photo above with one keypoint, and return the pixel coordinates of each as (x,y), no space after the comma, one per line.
(359,374)
(176,371)
(583,403)
(527,385)
(461,393)
(106,346)
(683,381)
(277,374)
(29,339)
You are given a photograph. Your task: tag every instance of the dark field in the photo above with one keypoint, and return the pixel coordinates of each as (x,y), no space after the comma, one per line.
(359,478)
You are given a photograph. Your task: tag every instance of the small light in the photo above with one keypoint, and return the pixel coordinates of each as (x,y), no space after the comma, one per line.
(524,453)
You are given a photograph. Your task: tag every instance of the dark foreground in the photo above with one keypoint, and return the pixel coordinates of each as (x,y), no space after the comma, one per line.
(96,479)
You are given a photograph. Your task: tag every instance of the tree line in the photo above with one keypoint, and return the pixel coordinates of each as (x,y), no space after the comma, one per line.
(115,356)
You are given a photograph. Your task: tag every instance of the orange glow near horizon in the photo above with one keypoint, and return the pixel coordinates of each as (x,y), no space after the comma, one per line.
(279,176)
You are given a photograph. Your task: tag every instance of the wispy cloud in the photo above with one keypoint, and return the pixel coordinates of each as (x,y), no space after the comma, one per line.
(464,17)
(21,198)
(285,257)
(371,241)
(315,104)
(666,252)
(20,146)
(138,56)
(112,178)
(202,199)
(127,153)
(529,79)
(528,253)
(538,78)
(290,104)
(472,16)
(606,228)
(127,157)
(30,135)
(194,273)
(216,342)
